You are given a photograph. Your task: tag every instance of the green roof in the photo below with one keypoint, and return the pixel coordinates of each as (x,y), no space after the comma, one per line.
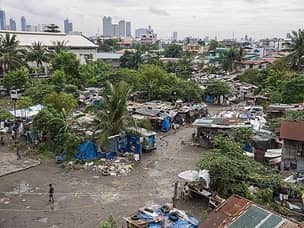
(256,217)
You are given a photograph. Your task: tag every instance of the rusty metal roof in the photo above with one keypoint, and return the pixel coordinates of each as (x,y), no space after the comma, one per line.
(292,130)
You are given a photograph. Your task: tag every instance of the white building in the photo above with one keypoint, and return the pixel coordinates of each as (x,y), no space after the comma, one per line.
(81,46)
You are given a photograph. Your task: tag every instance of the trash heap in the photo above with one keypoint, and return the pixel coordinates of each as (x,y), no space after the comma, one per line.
(121,166)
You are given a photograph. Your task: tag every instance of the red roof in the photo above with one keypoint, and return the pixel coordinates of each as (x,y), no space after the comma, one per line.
(292,130)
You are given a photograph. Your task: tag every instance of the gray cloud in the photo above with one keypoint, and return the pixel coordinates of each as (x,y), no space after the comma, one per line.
(158,12)
(294,10)
(257,18)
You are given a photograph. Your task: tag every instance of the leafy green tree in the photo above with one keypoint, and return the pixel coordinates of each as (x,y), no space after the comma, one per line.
(112,116)
(230,171)
(10,56)
(184,67)
(38,90)
(4,115)
(109,45)
(95,73)
(173,51)
(217,88)
(58,79)
(229,57)
(131,60)
(213,44)
(295,59)
(252,76)
(293,90)
(17,79)
(60,101)
(24,102)
(70,65)
(242,135)
(38,53)
(295,115)
(52,28)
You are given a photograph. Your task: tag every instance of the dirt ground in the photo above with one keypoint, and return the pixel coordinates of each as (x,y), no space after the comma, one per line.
(82,199)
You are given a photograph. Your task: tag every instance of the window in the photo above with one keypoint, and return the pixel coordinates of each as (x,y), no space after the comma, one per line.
(300,150)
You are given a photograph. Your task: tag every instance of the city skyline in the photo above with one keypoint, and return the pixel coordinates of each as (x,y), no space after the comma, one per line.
(257,18)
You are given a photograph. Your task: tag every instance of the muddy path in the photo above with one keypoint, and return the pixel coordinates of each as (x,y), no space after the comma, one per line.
(82,199)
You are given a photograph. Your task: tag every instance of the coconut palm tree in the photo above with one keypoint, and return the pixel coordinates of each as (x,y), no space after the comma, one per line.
(38,53)
(60,46)
(297,46)
(112,116)
(10,56)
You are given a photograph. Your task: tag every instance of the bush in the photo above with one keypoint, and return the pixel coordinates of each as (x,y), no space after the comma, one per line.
(108,223)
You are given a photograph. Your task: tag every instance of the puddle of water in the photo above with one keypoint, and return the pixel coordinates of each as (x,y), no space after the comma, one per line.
(22,187)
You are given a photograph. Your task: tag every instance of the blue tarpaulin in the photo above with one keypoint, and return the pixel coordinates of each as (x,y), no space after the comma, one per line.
(209,98)
(165,124)
(87,151)
(191,222)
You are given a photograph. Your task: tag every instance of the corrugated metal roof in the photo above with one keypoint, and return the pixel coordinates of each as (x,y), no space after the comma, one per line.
(47,39)
(292,130)
(238,212)
(108,55)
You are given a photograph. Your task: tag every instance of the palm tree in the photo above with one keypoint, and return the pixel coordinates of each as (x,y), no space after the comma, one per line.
(38,53)
(60,46)
(10,56)
(297,46)
(52,28)
(113,117)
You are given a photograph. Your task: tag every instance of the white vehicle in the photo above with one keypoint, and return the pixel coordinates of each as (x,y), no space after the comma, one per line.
(16,93)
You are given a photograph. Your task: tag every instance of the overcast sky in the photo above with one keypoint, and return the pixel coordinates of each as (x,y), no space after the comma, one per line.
(197,18)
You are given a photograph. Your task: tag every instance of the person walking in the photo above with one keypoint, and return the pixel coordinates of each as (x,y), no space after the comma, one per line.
(51,193)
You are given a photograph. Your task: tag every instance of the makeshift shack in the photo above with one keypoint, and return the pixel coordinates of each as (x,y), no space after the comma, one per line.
(147,138)
(208,128)
(238,212)
(87,152)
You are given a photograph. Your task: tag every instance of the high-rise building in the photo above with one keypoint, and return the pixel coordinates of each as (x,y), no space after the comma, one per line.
(12,24)
(2,20)
(128,29)
(28,28)
(174,36)
(68,26)
(23,23)
(116,30)
(122,28)
(107,26)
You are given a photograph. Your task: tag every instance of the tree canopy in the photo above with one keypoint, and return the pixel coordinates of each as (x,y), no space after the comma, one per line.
(173,51)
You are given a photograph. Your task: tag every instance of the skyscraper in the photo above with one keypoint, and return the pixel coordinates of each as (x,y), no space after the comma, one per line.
(128,29)
(116,30)
(2,20)
(122,28)
(23,23)
(12,24)
(107,26)
(174,36)
(68,26)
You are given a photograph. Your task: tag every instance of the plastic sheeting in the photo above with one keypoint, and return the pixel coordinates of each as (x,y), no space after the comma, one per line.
(196,176)
(165,124)
(87,151)
(29,112)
